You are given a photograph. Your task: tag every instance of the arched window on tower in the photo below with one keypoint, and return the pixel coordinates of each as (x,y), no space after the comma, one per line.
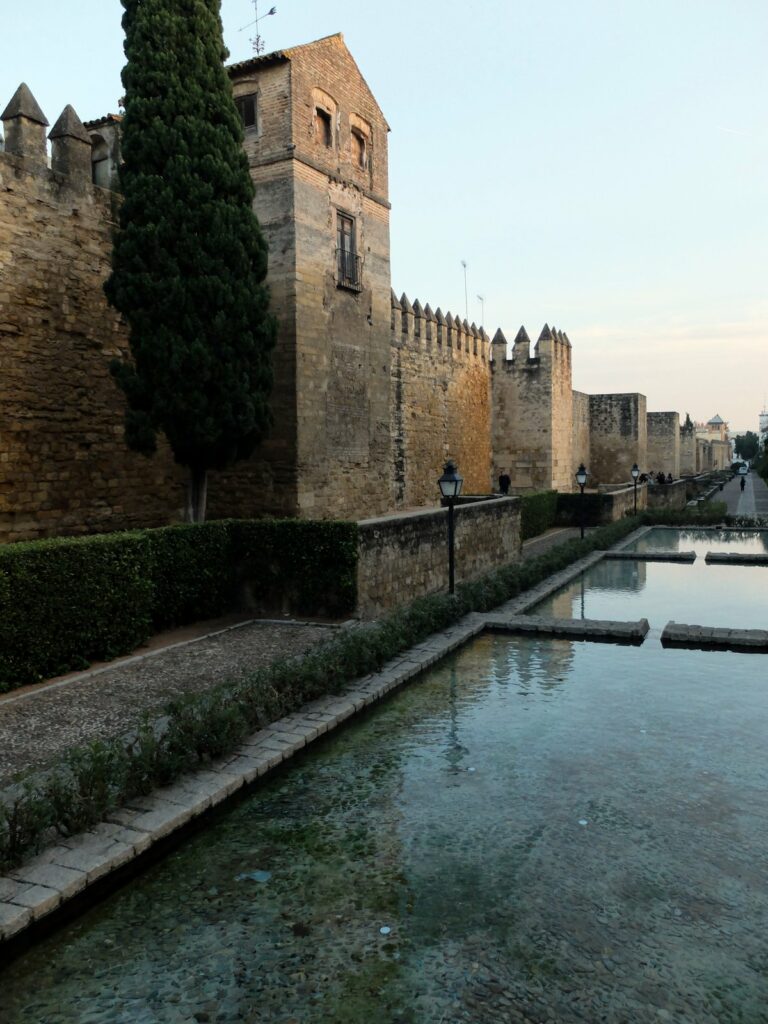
(101,162)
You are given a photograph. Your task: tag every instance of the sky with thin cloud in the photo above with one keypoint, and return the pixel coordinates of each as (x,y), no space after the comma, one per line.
(599,165)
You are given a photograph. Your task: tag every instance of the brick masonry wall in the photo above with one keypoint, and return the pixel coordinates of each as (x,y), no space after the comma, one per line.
(618,436)
(664,443)
(406,556)
(439,405)
(64,468)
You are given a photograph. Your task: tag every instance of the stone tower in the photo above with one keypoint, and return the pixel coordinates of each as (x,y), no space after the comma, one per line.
(532,427)
(316,141)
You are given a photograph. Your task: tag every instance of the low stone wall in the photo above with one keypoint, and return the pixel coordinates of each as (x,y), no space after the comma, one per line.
(406,556)
(672,496)
(617,503)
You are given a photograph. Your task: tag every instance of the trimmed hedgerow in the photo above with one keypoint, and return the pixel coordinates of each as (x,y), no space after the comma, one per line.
(299,566)
(90,781)
(193,572)
(68,601)
(539,512)
(571,507)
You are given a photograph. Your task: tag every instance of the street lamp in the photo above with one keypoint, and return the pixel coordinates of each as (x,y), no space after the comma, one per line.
(581,480)
(450,484)
(635,471)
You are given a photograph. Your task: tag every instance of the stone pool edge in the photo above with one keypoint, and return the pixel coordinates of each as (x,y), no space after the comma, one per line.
(33,895)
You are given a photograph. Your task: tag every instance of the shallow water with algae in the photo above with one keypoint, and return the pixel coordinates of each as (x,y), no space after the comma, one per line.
(538,830)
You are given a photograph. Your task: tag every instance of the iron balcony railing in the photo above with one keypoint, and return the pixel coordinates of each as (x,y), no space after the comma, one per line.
(348,270)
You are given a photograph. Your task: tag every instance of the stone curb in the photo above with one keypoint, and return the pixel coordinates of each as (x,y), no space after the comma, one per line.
(722,558)
(651,556)
(587,629)
(45,883)
(684,635)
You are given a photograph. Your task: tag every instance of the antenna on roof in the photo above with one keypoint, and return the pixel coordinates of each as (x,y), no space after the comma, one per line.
(257,42)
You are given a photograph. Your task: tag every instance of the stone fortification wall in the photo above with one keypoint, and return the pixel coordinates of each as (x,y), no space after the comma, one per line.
(618,436)
(64,468)
(439,402)
(663,443)
(688,465)
(581,434)
(532,409)
(406,556)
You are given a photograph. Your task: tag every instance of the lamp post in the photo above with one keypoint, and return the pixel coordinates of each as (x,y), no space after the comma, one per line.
(450,484)
(635,471)
(581,480)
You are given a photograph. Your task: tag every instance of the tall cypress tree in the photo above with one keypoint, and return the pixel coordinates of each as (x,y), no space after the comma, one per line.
(189,259)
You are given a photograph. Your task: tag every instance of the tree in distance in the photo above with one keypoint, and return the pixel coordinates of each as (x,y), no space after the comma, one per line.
(747,445)
(189,258)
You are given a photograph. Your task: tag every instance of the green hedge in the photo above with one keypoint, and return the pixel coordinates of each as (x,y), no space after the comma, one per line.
(539,512)
(67,602)
(192,573)
(571,507)
(88,782)
(309,569)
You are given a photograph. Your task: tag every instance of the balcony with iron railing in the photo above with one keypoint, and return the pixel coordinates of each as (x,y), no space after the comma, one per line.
(348,270)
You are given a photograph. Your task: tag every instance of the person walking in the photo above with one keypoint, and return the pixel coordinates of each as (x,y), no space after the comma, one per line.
(743,483)
(504,483)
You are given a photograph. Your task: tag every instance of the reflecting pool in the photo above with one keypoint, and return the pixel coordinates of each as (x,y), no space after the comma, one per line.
(743,542)
(731,596)
(539,830)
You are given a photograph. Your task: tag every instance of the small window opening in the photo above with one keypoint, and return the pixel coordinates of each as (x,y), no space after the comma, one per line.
(101,165)
(323,127)
(247,109)
(347,260)
(359,149)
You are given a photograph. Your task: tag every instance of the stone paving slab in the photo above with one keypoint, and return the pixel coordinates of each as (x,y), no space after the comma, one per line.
(650,556)
(682,634)
(725,558)
(587,629)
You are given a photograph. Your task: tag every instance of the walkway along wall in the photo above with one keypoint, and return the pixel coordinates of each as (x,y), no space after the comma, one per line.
(406,556)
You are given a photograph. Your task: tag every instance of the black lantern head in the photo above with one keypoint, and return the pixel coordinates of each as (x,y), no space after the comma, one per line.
(450,483)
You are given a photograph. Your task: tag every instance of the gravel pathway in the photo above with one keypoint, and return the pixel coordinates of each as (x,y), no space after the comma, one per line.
(38,726)
(41,723)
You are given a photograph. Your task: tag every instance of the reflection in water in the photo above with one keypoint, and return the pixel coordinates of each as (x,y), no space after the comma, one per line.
(599,864)
(753,542)
(707,595)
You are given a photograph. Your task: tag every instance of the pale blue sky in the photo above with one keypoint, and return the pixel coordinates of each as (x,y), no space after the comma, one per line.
(602,164)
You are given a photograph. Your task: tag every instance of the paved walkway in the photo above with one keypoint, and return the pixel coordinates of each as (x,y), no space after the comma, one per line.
(752,501)
(39,723)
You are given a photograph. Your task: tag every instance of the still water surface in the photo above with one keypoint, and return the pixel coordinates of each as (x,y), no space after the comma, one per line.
(538,830)
(732,596)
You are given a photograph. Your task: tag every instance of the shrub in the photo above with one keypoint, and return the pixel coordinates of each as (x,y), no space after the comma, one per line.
(539,512)
(66,602)
(571,507)
(299,566)
(192,572)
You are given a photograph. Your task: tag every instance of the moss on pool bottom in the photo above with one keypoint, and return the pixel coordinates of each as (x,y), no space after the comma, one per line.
(548,829)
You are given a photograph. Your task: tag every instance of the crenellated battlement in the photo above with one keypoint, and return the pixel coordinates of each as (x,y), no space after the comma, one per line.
(414,324)
(552,348)
(77,154)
